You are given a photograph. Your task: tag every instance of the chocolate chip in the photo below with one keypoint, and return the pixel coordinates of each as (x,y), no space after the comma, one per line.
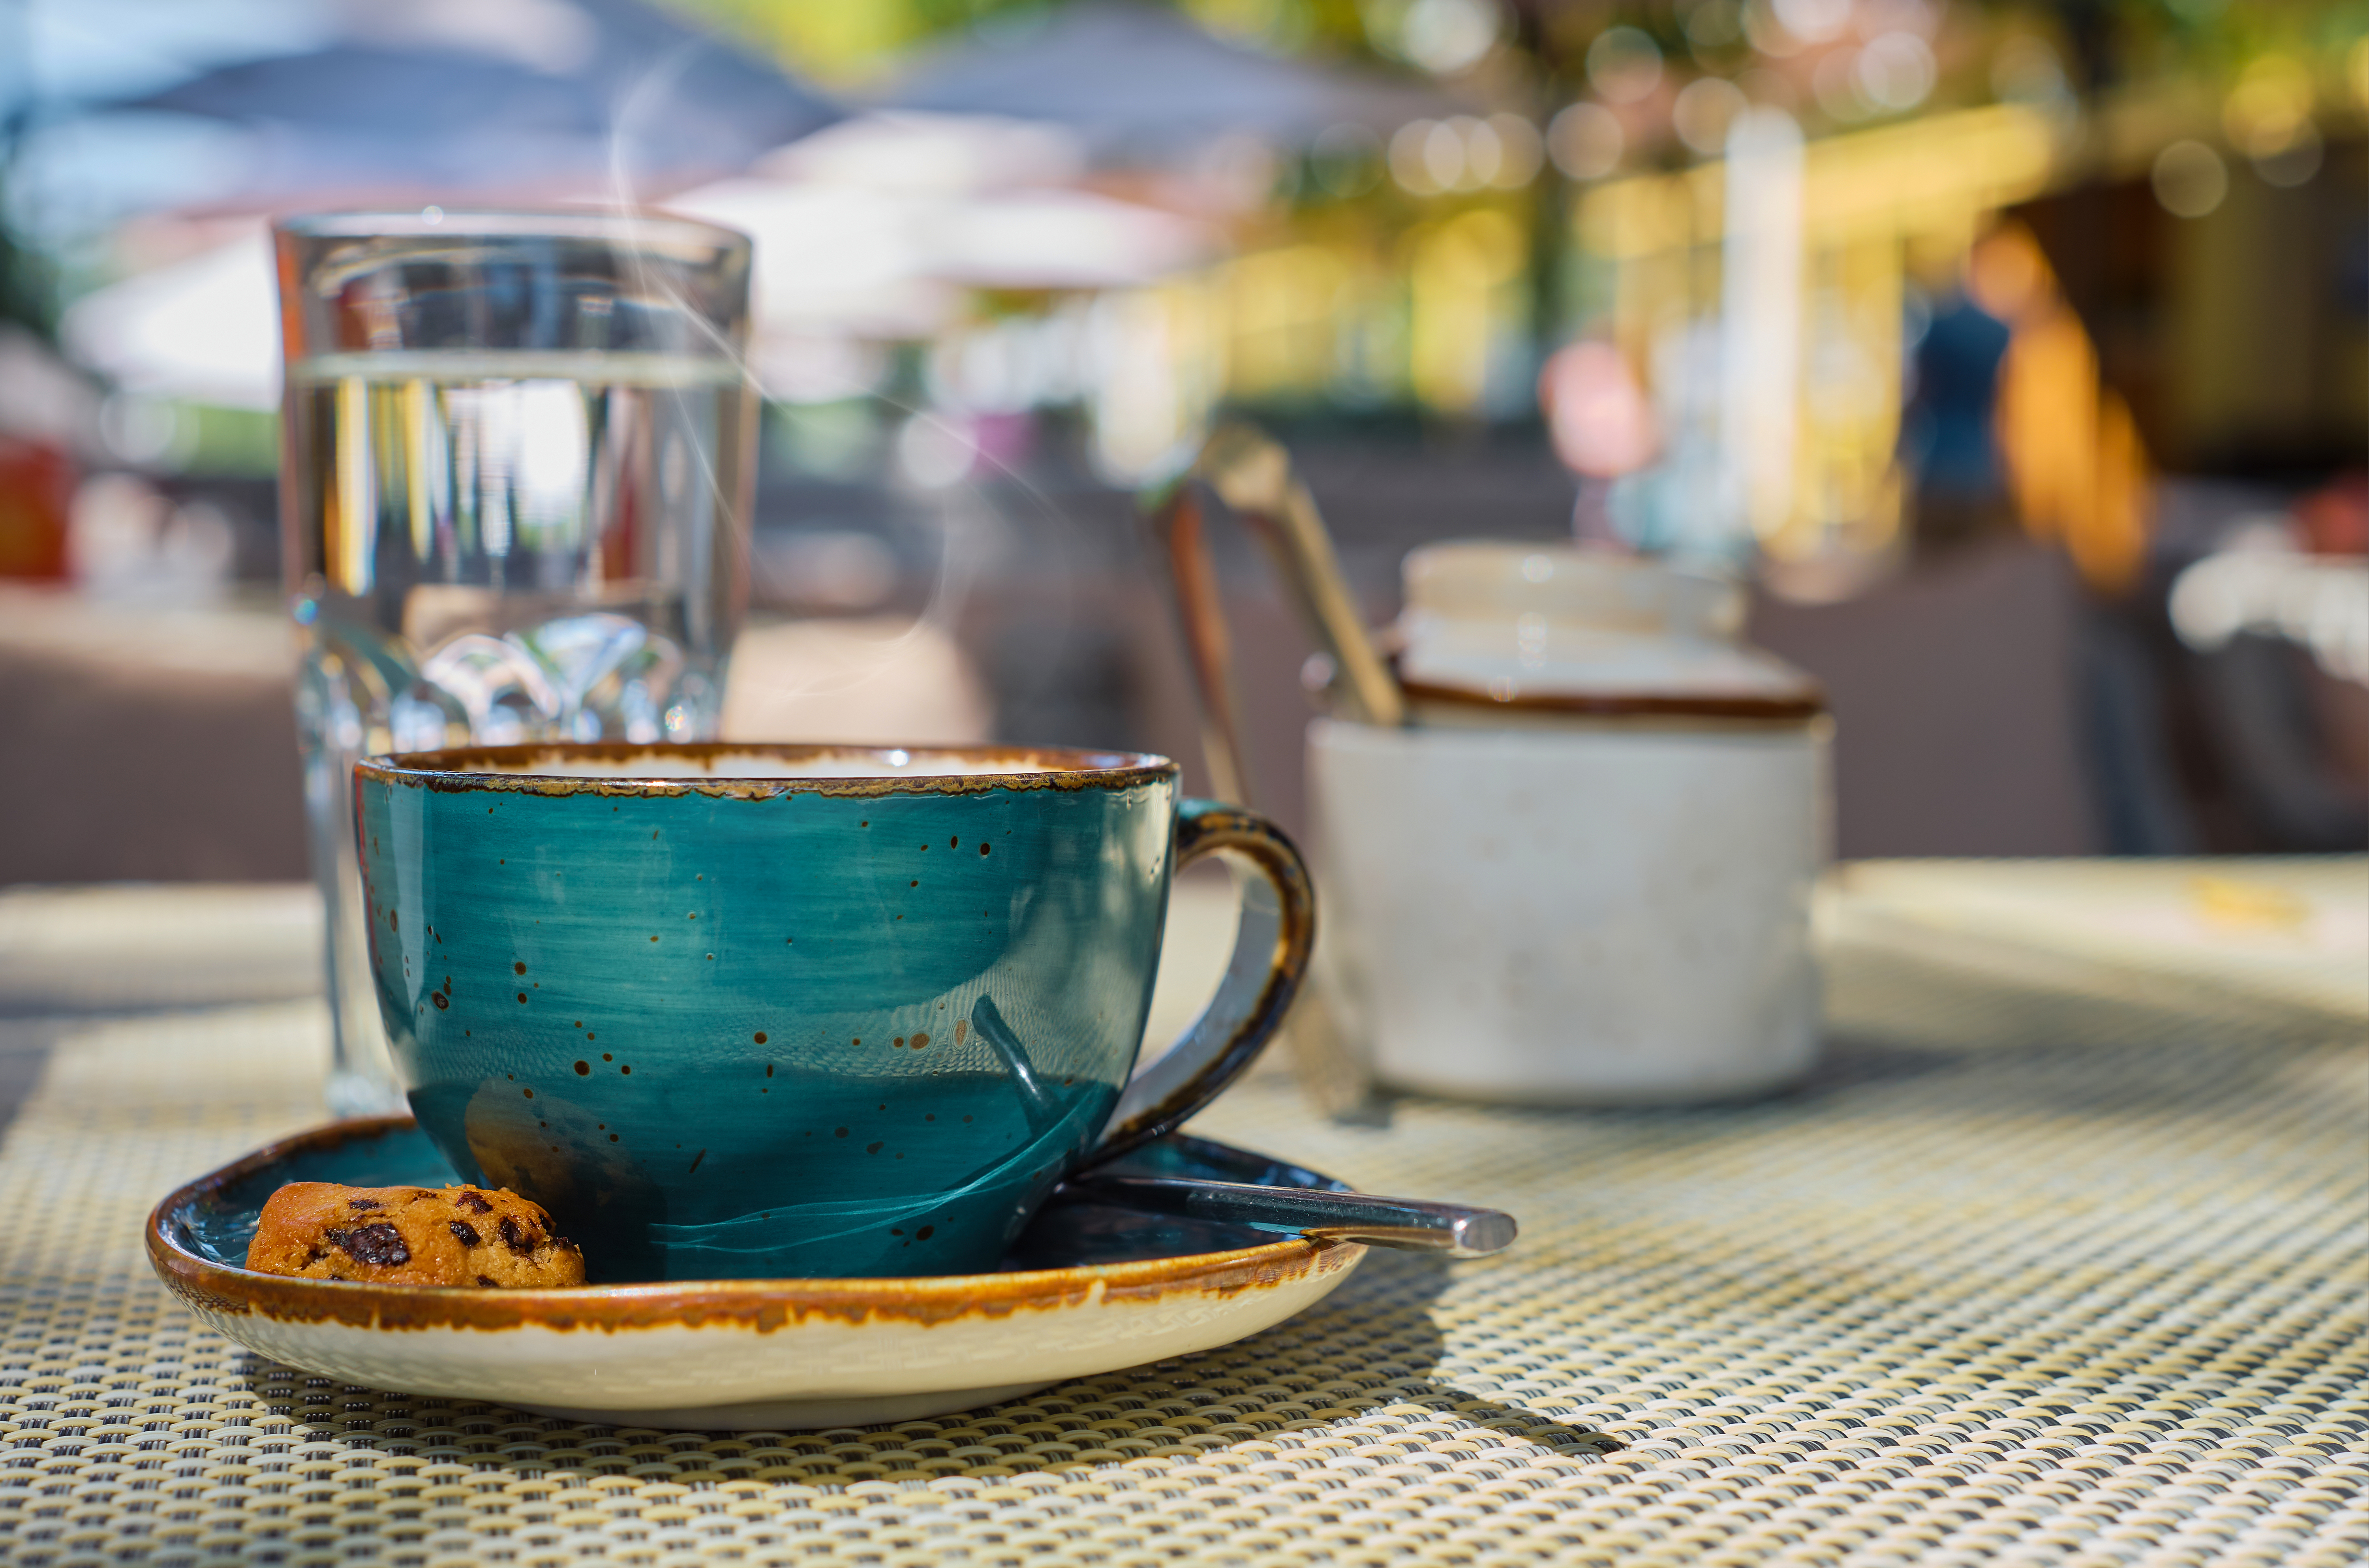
(473,1203)
(489,1282)
(465,1231)
(364,1202)
(517,1237)
(381,1246)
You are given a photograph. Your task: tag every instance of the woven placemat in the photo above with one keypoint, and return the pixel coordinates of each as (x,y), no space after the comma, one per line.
(2021,1277)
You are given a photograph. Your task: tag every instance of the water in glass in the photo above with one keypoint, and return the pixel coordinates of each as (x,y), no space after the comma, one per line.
(498,547)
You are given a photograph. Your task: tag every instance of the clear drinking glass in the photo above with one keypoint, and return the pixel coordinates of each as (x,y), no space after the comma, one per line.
(518,455)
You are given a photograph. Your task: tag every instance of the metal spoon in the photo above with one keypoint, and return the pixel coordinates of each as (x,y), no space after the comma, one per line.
(1313,1212)
(1252,474)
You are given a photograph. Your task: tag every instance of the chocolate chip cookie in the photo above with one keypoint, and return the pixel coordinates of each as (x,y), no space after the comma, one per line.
(490,1239)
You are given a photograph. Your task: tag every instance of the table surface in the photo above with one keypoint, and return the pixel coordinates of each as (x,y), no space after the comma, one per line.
(2054,1261)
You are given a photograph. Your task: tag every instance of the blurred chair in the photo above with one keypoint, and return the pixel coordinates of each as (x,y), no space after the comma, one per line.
(146,743)
(2283,739)
(1956,689)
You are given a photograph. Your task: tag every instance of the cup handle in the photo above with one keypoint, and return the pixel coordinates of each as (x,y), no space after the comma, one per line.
(1271,946)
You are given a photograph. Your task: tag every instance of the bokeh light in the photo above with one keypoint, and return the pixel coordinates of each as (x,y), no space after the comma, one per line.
(1465,153)
(1814,21)
(2189,180)
(1624,65)
(1521,151)
(1713,25)
(1585,140)
(1895,71)
(1703,110)
(1448,36)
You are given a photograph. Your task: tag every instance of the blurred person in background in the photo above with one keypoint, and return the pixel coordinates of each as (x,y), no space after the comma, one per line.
(1949,436)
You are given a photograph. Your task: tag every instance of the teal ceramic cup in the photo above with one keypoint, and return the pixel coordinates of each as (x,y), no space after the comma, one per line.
(743,1012)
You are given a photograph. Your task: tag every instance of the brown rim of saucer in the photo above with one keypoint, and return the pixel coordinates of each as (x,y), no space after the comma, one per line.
(1791,709)
(763,1304)
(462,769)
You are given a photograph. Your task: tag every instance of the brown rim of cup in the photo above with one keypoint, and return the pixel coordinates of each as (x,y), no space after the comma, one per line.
(509,769)
(1792,708)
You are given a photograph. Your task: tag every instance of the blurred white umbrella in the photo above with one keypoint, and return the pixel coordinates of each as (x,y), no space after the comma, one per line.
(845,261)
(1065,239)
(891,149)
(206,330)
(814,241)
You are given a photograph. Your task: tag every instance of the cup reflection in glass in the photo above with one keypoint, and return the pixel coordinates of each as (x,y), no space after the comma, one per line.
(518,453)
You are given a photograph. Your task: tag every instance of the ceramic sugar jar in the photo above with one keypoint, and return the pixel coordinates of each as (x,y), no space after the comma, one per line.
(1583,873)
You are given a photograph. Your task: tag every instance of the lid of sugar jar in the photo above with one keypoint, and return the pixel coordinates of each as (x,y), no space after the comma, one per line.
(1552,630)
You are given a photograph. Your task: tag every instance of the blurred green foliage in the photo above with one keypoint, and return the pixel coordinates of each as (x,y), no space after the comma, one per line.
(28,296)
(242,443)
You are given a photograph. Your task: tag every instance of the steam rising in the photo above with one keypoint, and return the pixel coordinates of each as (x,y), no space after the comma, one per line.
(896,673)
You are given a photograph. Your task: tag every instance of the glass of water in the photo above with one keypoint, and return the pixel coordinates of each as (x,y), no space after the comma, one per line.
(518,452)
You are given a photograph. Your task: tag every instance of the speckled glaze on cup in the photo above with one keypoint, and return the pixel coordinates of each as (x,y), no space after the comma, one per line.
(734,1011)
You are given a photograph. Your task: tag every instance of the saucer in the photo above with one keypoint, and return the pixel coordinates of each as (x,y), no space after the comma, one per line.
(1086,1289)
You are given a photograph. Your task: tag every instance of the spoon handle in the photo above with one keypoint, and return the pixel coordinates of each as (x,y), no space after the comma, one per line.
(1252,473)
(1449,1228)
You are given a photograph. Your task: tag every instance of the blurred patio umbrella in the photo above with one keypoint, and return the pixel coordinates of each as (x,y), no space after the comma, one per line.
(1139,82)
(511,95)
(1034,237)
